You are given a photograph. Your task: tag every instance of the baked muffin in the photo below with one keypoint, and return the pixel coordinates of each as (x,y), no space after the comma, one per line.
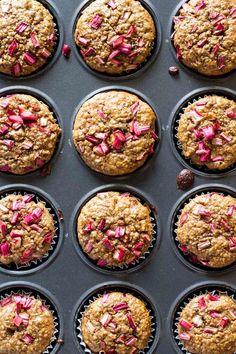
(114,229)
(206,229)
(26,229)
(207,132)
(207,325)
(27,36)
(28,134)
(116,323)
(26,325)
(114,132)
(205,36)
(116,36)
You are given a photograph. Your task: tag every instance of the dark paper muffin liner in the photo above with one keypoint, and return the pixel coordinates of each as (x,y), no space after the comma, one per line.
(130,74)
(105,288)
(187,69)
(174,124)
(28,289)
(137,264)
(186,258)
(215,288)
(54,211)
(158,129)
(39,95)
(58,42)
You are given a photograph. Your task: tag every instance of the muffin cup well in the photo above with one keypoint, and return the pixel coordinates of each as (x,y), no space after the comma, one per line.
(154,219)
(50,6)
(129,75)
(184,67)
(174,123)
(174,216)
(30,289)
(39,95)
(158,128)
(215,287)
(98,291)
(54,210)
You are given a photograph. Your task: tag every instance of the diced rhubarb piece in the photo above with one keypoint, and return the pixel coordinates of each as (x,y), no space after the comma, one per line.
(116,62)
(184,336)
(233,12)
(66,50)
(102,263)
(112,325)
(120,306)
(204,245)
(102,149)
(34,40)
(134,108)
(112,4)
(27,115)
(233,314)
(210,330)
(8,143)
(221,62)
(116,41)
(3,227)
(92,139)
(217,159)
(232,242)
(178,53)
(47,239)
(131,341)
(217,141)
(27,198)
(225,224)
(184,249)
(185,324)
(51,38)
(225,137)
(131,321)
(16,205)
(27,255)
(214,314)
(139,246)
(208,132)
(96,21)
(16,69)
(154,135)
(198,133)
(18,320)
(21,27)
(202,43)
(213,297)
(5,249)
(106,318)
(183,218)
(215,49)
(110,233)
(35,227)
(131,31)
(114,54)
(224,321)
(45,53)
(3,130)
(83,41)
(119,254)
(107,244)
(102,224)
(89,227)
(101,136)
(6,301)
(12,48)
(197,321)
(219,29)
(28,339)
(39,162)
(17,233)
(101,113)
(25,319)
(15,119)
(138,129)
(202,303)
(230,113)
(201,5)
(102,345)
(29,58)
(121,339)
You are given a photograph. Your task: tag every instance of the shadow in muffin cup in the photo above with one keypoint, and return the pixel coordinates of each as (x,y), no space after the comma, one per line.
(185,258)
(57,19)
(142,261)
(158,130)
(211,287)
(39,95)
(174,124)
(30,289)
(104,288)
(55,212)
(129,75)
(184,67)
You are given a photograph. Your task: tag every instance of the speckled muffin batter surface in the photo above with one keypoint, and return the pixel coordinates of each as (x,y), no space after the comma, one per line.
(26,325)
(205,36)
(114,229)
(28,134)
(26,229)
(207,132)
(27,36)
(114,132)
(206,228)
(116,323)
(207,325)
(115,36)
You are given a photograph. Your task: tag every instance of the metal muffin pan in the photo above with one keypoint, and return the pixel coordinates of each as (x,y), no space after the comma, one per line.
(68,83)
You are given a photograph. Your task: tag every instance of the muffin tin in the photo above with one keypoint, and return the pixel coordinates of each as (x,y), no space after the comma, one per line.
(68,277)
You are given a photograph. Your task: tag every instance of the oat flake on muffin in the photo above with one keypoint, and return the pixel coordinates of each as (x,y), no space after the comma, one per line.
(115,36)
(28,134)
(114,132)
(26,229)
(114,229)
(205,36)
(206,229)
(27,36)
(26,325)
(207,325)
(207,132)
(116,323)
